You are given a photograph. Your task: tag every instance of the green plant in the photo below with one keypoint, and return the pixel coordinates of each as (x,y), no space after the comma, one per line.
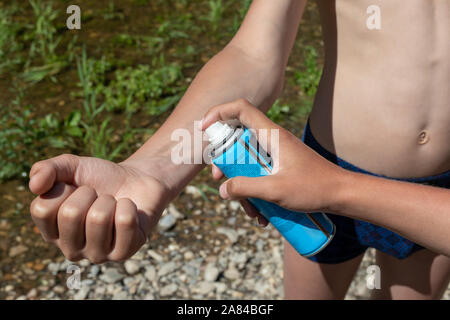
(216,11)
(9,42)
(308,78)
(44,44)
(278,111)
(153,89)
(24,138)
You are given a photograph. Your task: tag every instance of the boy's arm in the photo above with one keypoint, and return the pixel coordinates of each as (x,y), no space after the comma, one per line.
(418,212)
(251,66)
(96,209)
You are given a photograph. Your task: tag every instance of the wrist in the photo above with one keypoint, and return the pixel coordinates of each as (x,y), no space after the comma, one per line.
(174,177)
(345,182)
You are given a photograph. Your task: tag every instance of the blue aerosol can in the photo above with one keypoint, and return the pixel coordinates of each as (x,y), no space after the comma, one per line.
(236,152)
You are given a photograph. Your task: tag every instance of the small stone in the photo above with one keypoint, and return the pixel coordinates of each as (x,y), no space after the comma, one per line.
(53,267)
(175,212)
(132,266)
(167,222)
(149,296)
(122,295)
(111,276)
(229,233)
(231,274)
(59,289)
(220,287)
(32,293)
(188,255)
(82,293)
(150,273)
(231,221)
(168,290)
(235,205)
(94,270)
(211,272)
(155,256)
(17,250)
(239,257)
(204,287)
(167,268)
(193,191)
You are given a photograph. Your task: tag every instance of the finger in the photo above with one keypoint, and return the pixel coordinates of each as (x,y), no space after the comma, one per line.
(262,221)
(71,220)
(249,209)
(128,236)
(99,228)
(45,173)
(44,210)
(216,172)
(250,187)
(252,212)
(265,131)
(241,110)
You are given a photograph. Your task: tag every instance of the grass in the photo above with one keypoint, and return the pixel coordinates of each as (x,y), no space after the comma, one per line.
(117,87)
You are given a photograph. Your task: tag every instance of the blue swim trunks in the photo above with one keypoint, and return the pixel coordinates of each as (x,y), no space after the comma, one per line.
(352,236)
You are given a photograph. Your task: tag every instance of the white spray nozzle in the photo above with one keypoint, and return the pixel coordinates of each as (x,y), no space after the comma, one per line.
(217,132)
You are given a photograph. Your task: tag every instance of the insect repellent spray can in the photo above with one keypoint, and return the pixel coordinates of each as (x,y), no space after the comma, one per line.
(236,152)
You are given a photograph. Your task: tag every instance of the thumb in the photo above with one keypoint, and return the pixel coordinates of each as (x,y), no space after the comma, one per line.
(249,187)
(44,174)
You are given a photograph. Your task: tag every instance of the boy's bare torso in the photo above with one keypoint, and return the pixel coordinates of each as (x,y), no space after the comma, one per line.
(384,101)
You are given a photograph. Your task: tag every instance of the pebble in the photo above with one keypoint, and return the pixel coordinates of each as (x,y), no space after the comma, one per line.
(188,255)
(235,205)
(150,273)
(211,272)
(167,268)
(32,293)
(111,275)
(82,293)
(167,222)
(168,290)
(231,273)
(17,250)
(193,191)
(204,287)
(132,266)
(94,270)
(175,212)
(122,295)
(229,233)
(156,256)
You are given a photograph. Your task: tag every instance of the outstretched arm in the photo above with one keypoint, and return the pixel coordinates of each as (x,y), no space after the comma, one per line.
(96,209)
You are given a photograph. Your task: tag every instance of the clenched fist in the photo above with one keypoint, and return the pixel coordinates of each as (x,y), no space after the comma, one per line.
(93,208)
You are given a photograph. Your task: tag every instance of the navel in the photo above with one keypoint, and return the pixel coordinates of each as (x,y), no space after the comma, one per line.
(424,137)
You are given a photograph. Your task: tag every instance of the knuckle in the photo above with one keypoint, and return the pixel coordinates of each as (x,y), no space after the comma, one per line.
(65,157)
(39,210)
(243,102)
(98,217)
(125,220)
(70,212)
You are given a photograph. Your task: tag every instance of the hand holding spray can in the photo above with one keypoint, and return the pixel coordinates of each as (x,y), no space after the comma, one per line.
(235,151)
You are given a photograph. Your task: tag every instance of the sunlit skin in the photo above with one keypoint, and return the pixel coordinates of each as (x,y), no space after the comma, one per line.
(380,91)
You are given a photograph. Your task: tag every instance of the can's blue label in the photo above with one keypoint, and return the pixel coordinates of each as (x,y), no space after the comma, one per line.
(308,233)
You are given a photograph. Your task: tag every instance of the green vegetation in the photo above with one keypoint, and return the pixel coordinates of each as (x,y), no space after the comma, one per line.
(104,89)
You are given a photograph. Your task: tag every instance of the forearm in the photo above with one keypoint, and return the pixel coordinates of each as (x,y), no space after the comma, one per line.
(418,212)
(230,75)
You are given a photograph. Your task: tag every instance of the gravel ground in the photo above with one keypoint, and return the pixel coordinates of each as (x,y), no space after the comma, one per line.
(189,258)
